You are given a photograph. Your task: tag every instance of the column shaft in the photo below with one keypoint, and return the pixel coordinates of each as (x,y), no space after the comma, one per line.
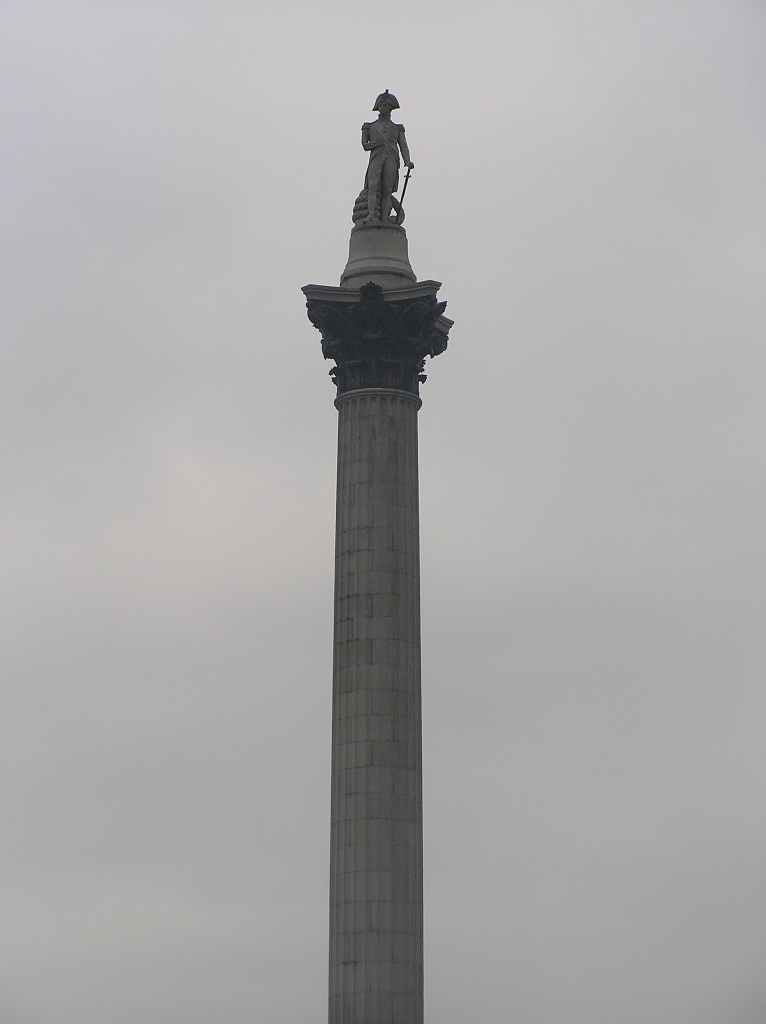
(376,852)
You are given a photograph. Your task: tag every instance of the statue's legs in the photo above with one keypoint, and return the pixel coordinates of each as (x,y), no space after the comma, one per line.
(387,186)
(372,182)
(381,180)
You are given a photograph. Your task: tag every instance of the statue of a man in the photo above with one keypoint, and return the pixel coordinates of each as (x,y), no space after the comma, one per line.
(383,139)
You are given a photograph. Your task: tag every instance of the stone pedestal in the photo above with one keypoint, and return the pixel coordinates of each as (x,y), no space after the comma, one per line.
(378,252)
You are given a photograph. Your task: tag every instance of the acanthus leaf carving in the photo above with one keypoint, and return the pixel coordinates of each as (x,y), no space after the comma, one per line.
(377,342)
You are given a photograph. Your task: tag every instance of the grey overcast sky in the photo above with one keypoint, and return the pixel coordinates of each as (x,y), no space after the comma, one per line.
(589,186)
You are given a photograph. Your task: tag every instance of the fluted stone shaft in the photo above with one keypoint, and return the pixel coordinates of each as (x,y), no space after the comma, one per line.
(376,859)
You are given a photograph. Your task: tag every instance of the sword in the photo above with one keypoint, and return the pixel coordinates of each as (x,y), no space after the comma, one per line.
(406,179)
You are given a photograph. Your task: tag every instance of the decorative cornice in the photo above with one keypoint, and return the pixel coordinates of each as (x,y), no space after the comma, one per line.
(378,342)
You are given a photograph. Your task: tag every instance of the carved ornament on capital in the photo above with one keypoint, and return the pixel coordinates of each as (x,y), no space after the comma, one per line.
(379,343)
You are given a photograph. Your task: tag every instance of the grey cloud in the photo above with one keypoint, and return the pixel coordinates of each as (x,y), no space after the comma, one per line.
(588,186)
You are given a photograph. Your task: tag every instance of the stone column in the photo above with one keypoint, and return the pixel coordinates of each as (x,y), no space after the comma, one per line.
(376,858)
(379,334)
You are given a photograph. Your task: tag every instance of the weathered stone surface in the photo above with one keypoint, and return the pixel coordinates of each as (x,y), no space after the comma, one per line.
(376,866)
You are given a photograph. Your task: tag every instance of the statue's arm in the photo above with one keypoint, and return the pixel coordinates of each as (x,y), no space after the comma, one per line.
(405,148)
(367,143)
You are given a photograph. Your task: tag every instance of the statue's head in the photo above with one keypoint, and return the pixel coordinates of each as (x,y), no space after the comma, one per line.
(388,98)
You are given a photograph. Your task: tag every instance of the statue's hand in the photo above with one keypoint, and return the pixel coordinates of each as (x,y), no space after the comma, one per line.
(411,165)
